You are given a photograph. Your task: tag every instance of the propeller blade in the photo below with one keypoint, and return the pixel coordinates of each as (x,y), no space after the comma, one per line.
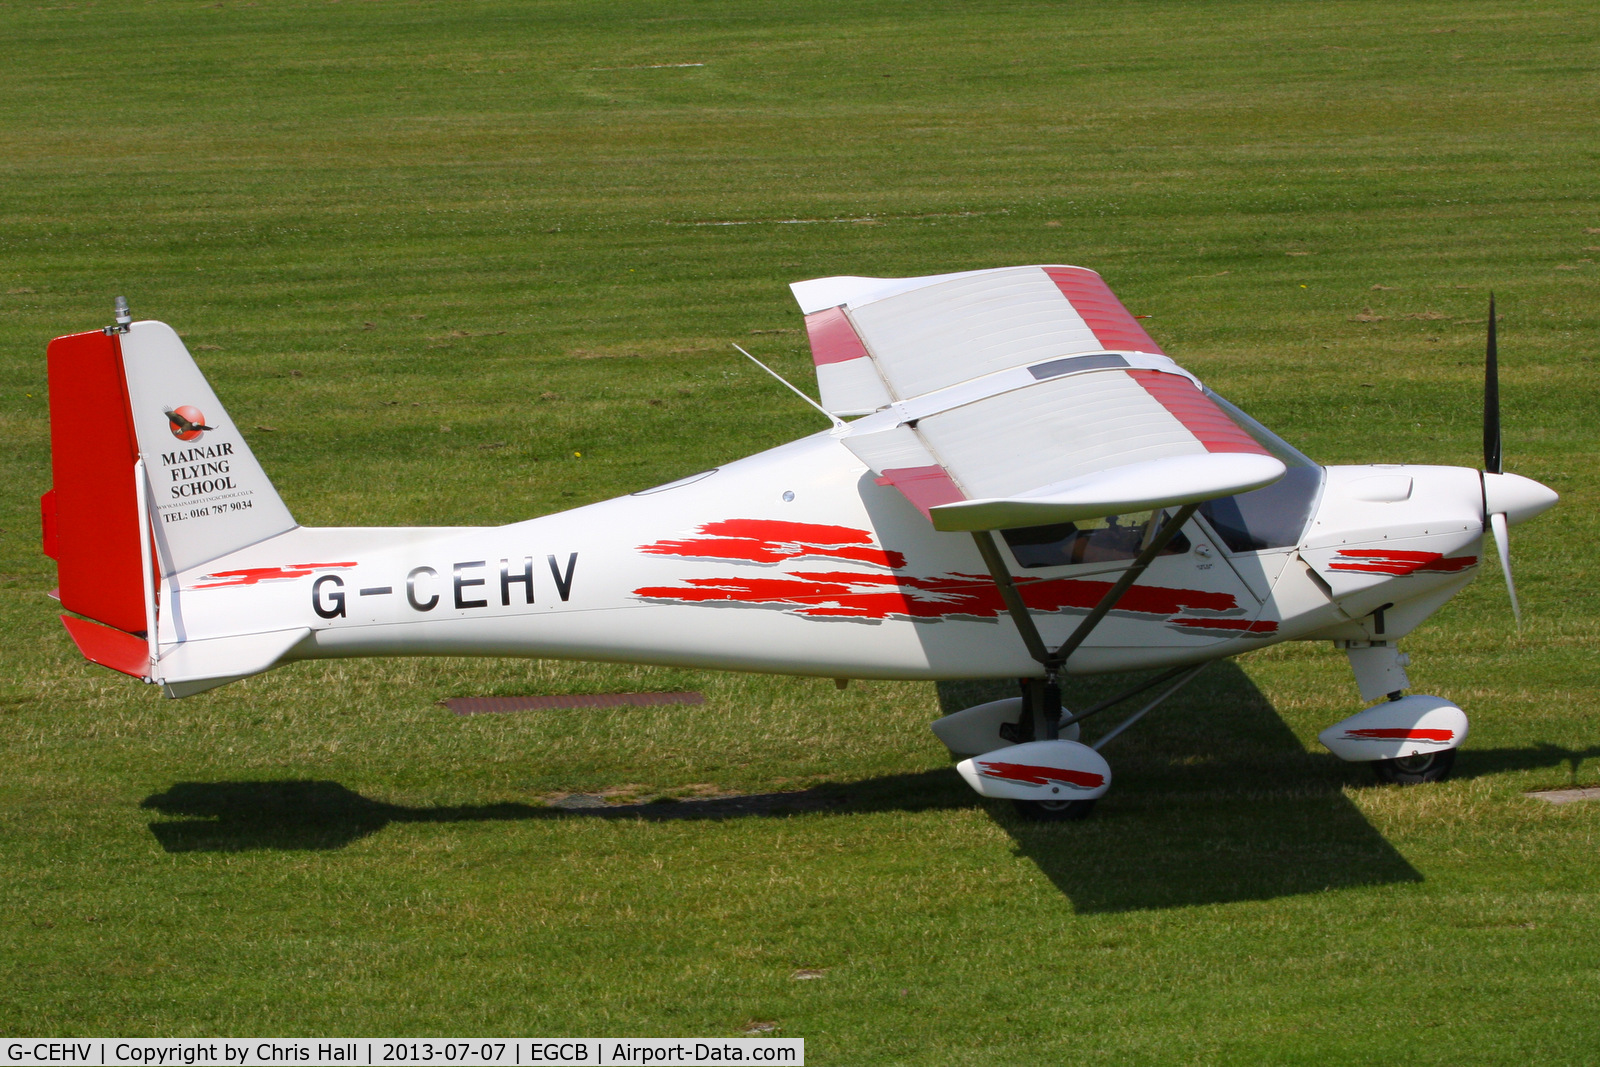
(1502,543)
(1491,401)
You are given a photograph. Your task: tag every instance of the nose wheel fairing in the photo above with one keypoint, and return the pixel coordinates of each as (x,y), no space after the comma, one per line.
(1400,729)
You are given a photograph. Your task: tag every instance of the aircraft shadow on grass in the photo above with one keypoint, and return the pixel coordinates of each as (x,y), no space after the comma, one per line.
(1215,801)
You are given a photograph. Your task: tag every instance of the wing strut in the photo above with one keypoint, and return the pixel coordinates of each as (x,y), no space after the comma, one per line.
(1013,599)
(1152,548)
(1156,539)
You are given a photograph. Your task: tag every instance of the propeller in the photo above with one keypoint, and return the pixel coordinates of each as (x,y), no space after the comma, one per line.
(1507,498)
(1492,460)
(1491,401)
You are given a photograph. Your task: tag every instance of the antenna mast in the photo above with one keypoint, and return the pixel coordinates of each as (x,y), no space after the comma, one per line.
(836,420)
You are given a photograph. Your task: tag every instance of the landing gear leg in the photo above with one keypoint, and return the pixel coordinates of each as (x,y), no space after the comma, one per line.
(1028,726)
(1041,712)
(1041,703)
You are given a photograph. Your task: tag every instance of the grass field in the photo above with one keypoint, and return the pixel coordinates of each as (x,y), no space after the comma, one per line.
(473,262)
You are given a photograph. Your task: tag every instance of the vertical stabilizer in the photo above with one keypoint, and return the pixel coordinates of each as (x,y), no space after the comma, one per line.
(208,495)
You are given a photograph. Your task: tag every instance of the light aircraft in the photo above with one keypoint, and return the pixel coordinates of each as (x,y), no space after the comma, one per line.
(1028,488)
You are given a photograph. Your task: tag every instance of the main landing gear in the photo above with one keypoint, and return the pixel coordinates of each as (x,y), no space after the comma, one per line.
(1025,749)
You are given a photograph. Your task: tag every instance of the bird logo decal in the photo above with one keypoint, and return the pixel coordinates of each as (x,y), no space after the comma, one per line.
(187,423)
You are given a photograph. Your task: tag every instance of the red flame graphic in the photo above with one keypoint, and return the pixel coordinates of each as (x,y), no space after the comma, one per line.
(849,594)
(255,575)
(1030,774)
(872,596)
(1399,734)
(1379,561)
(1245,626)
(774,541)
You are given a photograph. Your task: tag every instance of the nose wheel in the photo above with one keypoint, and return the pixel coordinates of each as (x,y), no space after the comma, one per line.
(1414,770)
(1054,810)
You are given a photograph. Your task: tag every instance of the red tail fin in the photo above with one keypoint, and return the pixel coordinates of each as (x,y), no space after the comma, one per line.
(91,516)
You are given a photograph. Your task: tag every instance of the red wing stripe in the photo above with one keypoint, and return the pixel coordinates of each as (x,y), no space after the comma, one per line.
(926,487)
(1197,413)
(833,338)
(1101,311)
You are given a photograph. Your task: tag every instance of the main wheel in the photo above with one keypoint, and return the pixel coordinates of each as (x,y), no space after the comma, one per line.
(1054,810)
(1414,770)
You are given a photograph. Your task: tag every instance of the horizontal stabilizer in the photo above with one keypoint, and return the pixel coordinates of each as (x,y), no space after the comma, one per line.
(194,666)
(1155,483)
(110,648)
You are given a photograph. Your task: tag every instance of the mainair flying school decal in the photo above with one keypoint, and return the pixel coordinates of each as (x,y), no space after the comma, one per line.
(868,596)
(202,471)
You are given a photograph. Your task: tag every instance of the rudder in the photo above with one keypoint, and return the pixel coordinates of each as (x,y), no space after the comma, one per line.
(91,516)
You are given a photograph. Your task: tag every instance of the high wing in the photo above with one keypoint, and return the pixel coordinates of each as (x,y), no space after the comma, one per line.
(1018,397)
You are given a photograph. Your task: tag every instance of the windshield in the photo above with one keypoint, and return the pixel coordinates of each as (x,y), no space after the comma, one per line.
(1274,516)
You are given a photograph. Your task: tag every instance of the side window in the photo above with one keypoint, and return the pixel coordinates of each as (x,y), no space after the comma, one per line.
(1104,540)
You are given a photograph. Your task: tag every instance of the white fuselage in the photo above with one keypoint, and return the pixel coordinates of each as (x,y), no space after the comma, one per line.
(796,561)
